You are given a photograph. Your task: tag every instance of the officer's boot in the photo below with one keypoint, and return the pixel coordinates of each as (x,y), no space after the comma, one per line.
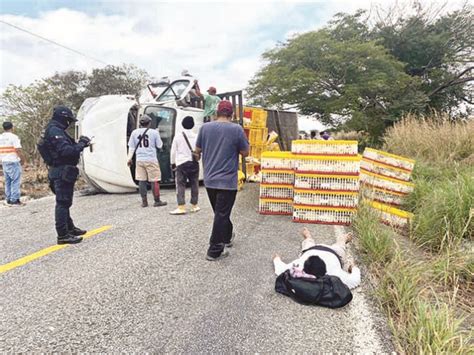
(142,190)
(77,231)
(69,238)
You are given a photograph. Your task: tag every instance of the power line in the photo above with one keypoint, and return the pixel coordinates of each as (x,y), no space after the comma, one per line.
(53,42)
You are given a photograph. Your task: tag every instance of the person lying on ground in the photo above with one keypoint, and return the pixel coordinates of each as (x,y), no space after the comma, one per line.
(317,260)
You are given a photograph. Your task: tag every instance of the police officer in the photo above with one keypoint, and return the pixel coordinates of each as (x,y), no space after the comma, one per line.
(63,172)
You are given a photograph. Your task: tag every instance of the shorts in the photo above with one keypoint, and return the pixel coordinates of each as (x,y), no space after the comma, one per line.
(147,171)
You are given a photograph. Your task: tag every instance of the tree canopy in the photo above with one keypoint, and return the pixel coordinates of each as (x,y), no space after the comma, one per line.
(364,77)
(30,107)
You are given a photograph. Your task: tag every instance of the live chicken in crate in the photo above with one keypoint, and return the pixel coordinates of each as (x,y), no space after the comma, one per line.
(322,147)
(277,160)
(326,182)
(328,165)
(322,215)
(326,198)
(281,177)
(393,160)
(276,191)
(275,206)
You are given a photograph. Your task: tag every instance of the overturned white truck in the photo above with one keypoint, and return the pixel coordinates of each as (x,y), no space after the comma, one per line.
(110,119)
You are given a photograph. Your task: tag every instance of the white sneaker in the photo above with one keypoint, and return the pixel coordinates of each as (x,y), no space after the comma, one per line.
(195,208)
(178,211)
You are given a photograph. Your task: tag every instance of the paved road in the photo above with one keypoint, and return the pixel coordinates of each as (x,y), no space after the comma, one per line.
(144,286)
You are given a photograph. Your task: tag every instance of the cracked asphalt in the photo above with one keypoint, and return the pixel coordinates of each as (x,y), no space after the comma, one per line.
(144,285)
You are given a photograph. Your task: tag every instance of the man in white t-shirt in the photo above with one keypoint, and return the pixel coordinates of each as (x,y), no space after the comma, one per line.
(11,157)
(144,142)
(185,166)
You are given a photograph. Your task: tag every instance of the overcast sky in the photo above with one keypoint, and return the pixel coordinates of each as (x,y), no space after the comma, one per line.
(220,43)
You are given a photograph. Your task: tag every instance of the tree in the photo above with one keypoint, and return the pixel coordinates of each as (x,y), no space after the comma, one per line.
(30,107)
(116,80)
(437,49)
(337,76)
(364,77)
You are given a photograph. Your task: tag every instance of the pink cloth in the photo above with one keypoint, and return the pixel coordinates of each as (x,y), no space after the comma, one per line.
(298,272)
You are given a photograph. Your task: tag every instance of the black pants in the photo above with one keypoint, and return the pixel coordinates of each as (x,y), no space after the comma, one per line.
(222,202)
(64,192)
(184,172)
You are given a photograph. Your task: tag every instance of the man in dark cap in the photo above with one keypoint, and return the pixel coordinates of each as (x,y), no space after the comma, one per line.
(143,143)
(62,156)
(221,142)
(183,161)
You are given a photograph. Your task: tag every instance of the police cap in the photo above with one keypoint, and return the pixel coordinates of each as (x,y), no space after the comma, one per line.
(63,112)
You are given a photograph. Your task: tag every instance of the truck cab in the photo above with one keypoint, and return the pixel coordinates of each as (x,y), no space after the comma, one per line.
(109,121)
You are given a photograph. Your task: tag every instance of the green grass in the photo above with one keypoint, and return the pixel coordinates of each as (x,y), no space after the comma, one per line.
(421,323)
(376,240)
(442,203)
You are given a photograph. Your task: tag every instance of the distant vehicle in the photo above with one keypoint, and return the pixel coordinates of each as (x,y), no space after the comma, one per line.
(110,120)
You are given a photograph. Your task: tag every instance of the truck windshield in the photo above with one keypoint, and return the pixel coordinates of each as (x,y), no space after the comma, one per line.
(177,88)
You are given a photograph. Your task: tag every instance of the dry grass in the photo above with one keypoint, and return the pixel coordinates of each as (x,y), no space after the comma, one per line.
(435,139)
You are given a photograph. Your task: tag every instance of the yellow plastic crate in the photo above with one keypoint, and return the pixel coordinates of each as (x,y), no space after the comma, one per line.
(328,164)
(256,150)
(391,215)
(393,160)
(277,160)
(323,215)
(322,147)
(276,191)
(382,196)
(279,177)
(326,198)
(326,182)
(385,170)
(386,183)
(259,118)
(275,206)
(258,136)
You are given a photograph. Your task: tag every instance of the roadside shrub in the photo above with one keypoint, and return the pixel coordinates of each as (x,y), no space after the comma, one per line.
(435,139)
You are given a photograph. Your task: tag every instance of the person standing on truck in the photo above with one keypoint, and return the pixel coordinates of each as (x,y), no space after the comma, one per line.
(186,166)
(143,143)
(211,100)
(12,158)
(62,154)
(220,143)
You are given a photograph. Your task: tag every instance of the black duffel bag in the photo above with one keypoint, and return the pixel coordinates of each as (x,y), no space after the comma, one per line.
(327,291)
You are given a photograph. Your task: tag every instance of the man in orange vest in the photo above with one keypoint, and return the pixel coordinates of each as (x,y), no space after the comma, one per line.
(11,157)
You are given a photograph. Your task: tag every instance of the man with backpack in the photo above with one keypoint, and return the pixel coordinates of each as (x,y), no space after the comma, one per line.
(62,154)
(186,166)
(143,143)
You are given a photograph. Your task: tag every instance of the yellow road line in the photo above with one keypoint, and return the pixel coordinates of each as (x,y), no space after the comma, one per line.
(26,259)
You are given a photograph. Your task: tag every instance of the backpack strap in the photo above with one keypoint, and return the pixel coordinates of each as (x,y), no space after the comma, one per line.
(187,142)
(140,140)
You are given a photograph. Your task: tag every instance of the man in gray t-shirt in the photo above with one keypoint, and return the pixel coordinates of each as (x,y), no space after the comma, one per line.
(220,143)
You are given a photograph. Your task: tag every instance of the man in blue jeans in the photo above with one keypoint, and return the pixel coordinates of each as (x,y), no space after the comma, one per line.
(11,157)
(220,143)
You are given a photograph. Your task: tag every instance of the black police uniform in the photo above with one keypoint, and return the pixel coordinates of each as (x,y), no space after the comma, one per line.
(63,172)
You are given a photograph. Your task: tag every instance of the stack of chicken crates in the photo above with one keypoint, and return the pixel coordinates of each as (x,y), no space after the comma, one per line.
(386,181)
(276,185)
(257,130)
(326,185)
